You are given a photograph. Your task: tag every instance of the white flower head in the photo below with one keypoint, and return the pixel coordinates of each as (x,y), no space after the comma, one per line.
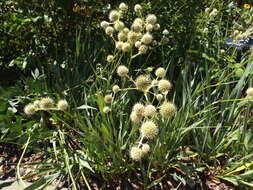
(137,8)
(114,15)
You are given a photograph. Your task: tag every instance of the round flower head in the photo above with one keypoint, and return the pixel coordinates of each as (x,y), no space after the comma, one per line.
(135,118)
(222,51)
(62,105)
(136,27)
(123,6)
(164,86)
(249,91)
(119,45)
(143,49)
(145,148)
(104,24)
(137,8)
(137,44)
(165,32)
(126,47)
(149,27)
(168,109)
(132,37)
(126,30)
(108,98)
(122,36)
(46,103)
(142,83)
(160,72)
(36,104)
(157,26)
(122,71)
(136,153)
(139,21)
(149,111)
(29,109)
(213,13)
(109,30)
(119,25)
(106,109)
(109,58)
(149,130)
(147,38)
(159,97)
(114,15)
(139,109)
(151,19)
(115,89)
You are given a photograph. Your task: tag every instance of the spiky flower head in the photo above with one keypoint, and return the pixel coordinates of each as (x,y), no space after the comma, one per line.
(126,47)
(149,27)
(132,37)
(137,8)
(145,148)
(149,130)
(143,49)
(119,45)
(29,109)
(104,24)
(135,118)
(164,86)
(157,26)
(165,32)
(119,25)
(168,109)
(46,103)
(142,83)
(139,108)
(109,58)
(159,97)
(106,109)
(154,82)
(126,30)
(109,30)
(147,38)
(123,6)
(122,71)
(136,27)
(136,153)
(151,19)
(114,15)
(149,111)
(108,98)
(249,91)
(160,72)
(115,89)
(36,104)
(62,105)
(122,36)
(137,44)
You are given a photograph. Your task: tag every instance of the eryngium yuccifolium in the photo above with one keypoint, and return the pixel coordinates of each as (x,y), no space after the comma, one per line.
(119,45)
(135,118)
(109,58)
(249,91)
(115,89)
(160,72)
(126,30)
(114,15)
(157,26)
(165,32)
(36,104)
(143,49)
(149,27)
(106,109)
(119,25)
(137,44)
(151,19)
(149,111)
(62,105)
(29,109)
(145,148)
(168,109)
(154,82)
(213,13)
(109,30)
(132,37)
(123,6)
(147,38)
(108,98)
(122,71)
(142,83)
(104,24)
(126,47)
(139,108)
(136,153)
(159,97)
(137,8)
(122,36)
(164,86)
(149,130)
(46,103)
(136,27)
(138,20)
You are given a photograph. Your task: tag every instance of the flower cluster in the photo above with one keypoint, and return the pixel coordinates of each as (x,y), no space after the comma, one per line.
(46,103)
